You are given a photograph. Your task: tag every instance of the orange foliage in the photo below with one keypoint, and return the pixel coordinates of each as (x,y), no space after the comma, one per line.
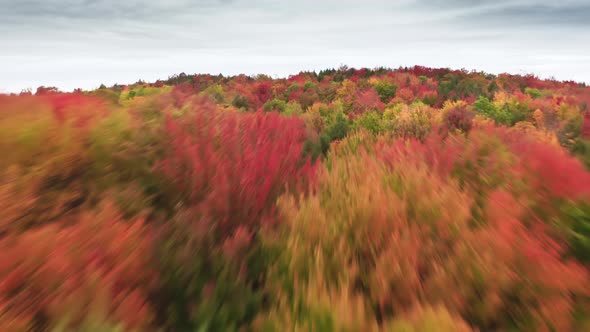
(76,266)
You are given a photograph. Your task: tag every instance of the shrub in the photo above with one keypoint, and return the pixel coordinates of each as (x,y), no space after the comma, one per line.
(215,92)
(489,109)
(45,174)
(343,241)
(415,121)
(429,319)
(500,274)
(228,168)
(457,117)
(370,121)
(535,93)
(124,148)
(576,221)
(241,102)
(248,159)
(275,105)
(582,151)
(95,261)
(386,91)
(412,253)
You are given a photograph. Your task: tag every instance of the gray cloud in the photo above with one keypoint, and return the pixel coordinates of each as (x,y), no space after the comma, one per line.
(103,9)
(82,43)
(524,14)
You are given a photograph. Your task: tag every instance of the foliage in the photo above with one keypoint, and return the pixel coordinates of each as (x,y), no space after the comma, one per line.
(386,91)
(64,270)
(413,199)
(275,105)
(535,93)
(457,117)
(248,160)
(370,121)
(489,109)
(414,121)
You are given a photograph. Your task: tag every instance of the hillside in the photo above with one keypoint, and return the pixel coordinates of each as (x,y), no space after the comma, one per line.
(414,199)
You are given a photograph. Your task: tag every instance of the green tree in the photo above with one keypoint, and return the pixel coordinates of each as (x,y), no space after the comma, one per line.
(386,91)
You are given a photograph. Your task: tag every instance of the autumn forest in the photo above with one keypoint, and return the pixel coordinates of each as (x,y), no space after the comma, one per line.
(411,199)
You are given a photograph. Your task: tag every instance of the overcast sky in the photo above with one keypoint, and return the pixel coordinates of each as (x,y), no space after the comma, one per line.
(83,43)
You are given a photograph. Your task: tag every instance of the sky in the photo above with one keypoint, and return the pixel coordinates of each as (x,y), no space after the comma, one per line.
(83,43)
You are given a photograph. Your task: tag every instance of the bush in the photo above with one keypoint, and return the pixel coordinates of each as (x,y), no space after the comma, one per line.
(457,117)
(533,92)
(424,249)
(370,121)
(415,121)
(46,173)
(228,168)
(581,150)
(386,91)
(576,220)
(335,245)
(154,207)
(490,110)
(336,129)
(215,92)
(93,262)
(241,102)
(275,105)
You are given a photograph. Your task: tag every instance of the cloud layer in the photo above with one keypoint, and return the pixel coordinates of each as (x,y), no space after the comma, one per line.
(82,43)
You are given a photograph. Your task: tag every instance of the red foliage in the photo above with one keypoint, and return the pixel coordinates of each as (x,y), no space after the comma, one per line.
(263,92)
(458,118)
(245,91)
(511,267)
(71,108)
(100,260)
(367,101)
(300,78)
(231,167)
(550,170)
(75,107)
(279,89)
(295,94)
(181,93)
(527,276)
(405,95)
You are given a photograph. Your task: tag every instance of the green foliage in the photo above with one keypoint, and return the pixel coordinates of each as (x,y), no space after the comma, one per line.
(309,86)
(240,102)
(215,92)
(581,149)
(577,223)
(336,129)
(293,108)
(370,121)
(107,95)
(386,91)
(202,286)
(124,151)
(533,92)
(275,105)
(471,87)
(501,115)
(570,131)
